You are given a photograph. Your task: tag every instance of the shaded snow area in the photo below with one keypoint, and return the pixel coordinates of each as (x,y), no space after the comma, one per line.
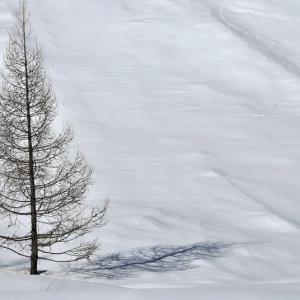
(189,111)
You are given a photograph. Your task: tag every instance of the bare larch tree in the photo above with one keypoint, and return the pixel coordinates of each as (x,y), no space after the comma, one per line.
(43,183)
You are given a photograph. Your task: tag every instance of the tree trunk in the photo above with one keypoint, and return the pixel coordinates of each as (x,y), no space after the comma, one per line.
(34,236)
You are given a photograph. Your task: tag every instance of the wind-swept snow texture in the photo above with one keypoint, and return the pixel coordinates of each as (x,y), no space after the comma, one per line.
(189,111)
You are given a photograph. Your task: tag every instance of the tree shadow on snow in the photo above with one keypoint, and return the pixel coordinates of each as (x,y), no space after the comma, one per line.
(155,259)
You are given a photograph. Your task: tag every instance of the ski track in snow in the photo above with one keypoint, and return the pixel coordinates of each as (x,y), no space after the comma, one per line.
(260,43)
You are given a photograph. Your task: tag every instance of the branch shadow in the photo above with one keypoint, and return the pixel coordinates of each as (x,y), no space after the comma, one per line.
(14,263)
(154,259)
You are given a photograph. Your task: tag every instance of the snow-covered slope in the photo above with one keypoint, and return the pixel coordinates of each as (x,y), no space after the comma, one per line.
(189,112)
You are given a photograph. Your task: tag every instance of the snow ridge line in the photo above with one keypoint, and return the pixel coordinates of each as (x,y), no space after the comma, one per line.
(251,39)
(265,206)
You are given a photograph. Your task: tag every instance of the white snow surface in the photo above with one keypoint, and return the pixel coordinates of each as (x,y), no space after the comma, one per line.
(189,112)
